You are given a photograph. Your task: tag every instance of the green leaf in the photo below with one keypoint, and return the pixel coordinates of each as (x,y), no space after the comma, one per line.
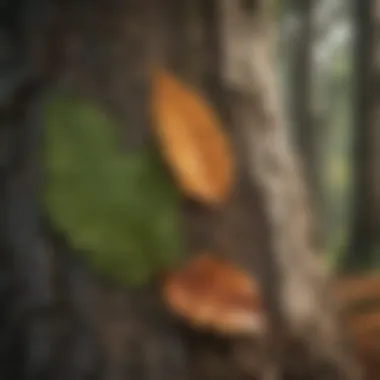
(120,211)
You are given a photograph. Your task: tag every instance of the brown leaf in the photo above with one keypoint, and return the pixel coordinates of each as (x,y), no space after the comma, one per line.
(191,140)
(211,294)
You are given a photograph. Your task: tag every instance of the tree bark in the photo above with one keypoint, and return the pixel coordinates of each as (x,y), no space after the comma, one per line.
(63,322)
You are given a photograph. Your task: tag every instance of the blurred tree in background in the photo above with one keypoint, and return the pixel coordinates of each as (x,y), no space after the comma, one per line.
(330,59)
(363,244)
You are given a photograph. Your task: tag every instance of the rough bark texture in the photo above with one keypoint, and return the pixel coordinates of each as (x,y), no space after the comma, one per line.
(61,322)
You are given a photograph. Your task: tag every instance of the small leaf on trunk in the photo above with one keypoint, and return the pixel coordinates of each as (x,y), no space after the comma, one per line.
(191,139)
(213,295)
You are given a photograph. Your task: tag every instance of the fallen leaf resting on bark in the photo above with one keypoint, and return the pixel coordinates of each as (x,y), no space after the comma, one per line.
(191,140)
(210,294)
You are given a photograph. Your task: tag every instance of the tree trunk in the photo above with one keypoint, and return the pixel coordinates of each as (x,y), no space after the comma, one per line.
(63,322)
(364,236)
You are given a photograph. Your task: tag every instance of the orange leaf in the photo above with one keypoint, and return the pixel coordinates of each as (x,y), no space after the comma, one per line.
(191,140)
(211,294)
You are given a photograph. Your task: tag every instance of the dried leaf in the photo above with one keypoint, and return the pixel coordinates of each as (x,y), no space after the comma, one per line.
(191,140)
(211,294)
